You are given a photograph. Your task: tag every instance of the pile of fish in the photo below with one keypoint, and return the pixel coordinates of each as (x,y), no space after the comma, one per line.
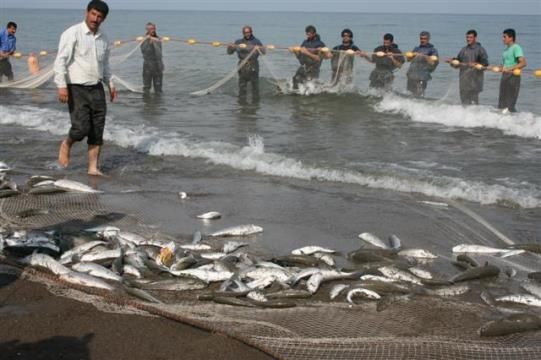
(112,259)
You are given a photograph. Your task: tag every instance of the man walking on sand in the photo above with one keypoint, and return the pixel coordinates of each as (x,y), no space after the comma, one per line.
(81,67)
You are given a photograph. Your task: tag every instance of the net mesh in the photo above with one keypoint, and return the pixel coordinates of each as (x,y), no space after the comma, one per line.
(420,328)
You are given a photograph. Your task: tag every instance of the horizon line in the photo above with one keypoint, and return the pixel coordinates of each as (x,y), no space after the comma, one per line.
(280,11)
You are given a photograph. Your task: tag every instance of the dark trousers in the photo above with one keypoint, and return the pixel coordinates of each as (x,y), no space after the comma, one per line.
(305,73)
(381,79)
(509,89)
(417,87)
(244,79)
(152,75)
(5,69)
(469,97)
(87,107)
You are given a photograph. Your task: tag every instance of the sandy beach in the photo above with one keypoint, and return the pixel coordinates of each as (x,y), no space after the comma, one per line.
(39,325)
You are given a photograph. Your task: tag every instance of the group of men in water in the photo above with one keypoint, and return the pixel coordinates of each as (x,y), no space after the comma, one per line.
(82,68)
(472,60)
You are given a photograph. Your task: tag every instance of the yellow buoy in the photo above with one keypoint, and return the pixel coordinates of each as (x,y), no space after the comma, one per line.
(118,43)
(324,50)
(517,72)
(140,38)
(166,38)
(496,69)
(410,55)
(242,46)
(216,43)
(455,62)
(380,54)
(191,41)
(271,47)
(350,52)
(434,58)
(43,53)
(17,55)
(479,66)
(537,73)
(166,256)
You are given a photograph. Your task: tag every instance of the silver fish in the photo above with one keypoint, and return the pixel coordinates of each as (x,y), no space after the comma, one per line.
(310,250)
(71,185)
(101,256)
(204,275)
(394,273)
(96,270)
(241,230)
(211,215)
(232,246)
(78,278)
(373,239)
(66,257)
(142,294)
(481,249)
(530,300)
(195,247)
(257,296)
(417,253)
(453,290)
(533,288)
(511,324)
(213,255)
(128,269)
(326,258)
(337,290)
(420,273)
(362,293)
(47,262)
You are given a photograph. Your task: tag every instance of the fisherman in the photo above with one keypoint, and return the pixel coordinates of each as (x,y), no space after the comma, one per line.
(310,56)
(151,48)
(472,60)
(81,67)
(424,61)
(342,59)
(513,61)
(387,58)
(249,72)
(8,43)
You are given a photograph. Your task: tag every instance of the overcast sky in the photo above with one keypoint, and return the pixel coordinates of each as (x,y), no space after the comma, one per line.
(530,7)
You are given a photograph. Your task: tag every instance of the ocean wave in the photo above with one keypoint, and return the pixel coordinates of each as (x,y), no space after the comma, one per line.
(524,124)
(253,157)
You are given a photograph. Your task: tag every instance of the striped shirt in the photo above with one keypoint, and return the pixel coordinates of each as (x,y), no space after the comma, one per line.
(83,57)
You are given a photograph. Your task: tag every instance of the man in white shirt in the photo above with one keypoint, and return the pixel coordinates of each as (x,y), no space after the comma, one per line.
(81,67)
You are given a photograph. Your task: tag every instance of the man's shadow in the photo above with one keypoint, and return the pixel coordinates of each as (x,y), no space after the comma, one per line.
(56,347)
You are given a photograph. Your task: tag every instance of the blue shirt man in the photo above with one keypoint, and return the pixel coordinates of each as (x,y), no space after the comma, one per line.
(8,45)
(422,65)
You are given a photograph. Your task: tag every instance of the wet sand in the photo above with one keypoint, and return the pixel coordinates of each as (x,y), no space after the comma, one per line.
(36,324)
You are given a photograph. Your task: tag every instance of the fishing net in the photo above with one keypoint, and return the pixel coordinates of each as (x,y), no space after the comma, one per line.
(420,328)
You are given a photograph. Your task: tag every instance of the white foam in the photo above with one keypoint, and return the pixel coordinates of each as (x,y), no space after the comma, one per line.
(253,158)
(524,124)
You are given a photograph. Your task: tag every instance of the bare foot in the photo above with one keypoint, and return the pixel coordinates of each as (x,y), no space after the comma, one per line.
(97,173)
(64,154)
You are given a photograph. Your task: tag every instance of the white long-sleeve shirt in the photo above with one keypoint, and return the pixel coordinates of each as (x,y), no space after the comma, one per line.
(82,58)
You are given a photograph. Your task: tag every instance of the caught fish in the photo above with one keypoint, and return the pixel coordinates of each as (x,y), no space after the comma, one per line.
(511,324)
(44,190)
(310,250)
(78,278)
(141,294)
(213,255)
(211,215)
(480,272)
(38,179)
(530,300)
(533,247)
(257,296)
(533,288)
(480,249)
(453,290)
(204,275)
(66,257)
(337,290)
(241,230)
(175,285)
(314,282)
(128,269)
(71,185)
(4,167)
(101,255)
(420,273)
(46,261)
(467,259)
(395,242)
(28,242)
(394,273)
(362,294)
(326,258)
(417,254)
(96,270)
(195,247)
(232,246)
(371,255)
(373,239)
